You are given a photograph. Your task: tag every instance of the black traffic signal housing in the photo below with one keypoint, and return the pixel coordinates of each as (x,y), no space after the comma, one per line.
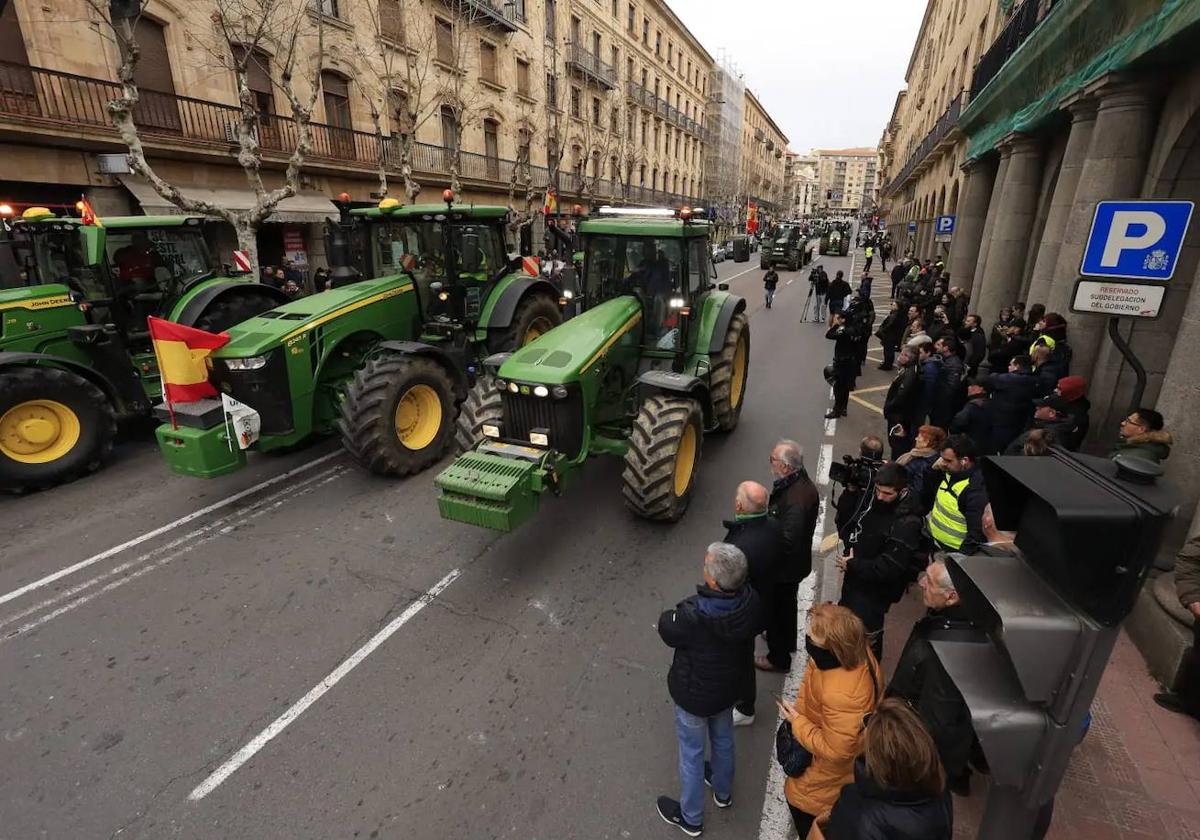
(1048,616)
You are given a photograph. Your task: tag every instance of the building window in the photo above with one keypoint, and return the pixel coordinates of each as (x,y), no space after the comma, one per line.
(576,108)
(488,70)
(631,25)
(449,127)
(645,119)
(642,175)
(670,53)
(551,154)
(522,77)
(523,143)
(646,31)
(658,43)
(258,79)
(551,26)
(401,119)
(329,8)
(629,120)
(336,93)
(491,147)
(391,20)
(644,78)
(616,5)
(629,69)
(615,55)
(444,35)
(595,110)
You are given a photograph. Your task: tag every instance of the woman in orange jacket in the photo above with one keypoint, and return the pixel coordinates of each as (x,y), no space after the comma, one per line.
(841,688)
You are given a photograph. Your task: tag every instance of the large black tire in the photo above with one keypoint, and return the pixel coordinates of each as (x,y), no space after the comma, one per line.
(536,315)
(374,425)
(483,405)
(727,387)
(663,457)
(56,401)
(233,309)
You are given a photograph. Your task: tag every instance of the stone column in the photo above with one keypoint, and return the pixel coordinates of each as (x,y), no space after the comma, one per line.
(1000,278)
(1114,168)
(1083,119)
(968,227)
(985,241)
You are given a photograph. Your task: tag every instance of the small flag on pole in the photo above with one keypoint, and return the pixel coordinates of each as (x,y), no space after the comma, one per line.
(551,205)
(87,214)
(181,352)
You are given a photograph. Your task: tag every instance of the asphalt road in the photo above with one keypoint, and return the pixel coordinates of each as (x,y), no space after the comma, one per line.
(302,650)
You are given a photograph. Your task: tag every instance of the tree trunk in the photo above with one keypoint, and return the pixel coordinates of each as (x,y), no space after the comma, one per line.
(248,242)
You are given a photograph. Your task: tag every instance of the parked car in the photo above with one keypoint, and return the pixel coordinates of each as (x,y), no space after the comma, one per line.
(718,252)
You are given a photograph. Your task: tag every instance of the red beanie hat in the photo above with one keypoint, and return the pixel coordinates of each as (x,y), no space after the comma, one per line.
(1072,388)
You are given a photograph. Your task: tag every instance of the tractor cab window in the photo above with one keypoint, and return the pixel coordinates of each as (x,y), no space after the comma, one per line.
(648,267)
(56,256)
(700,266)
(146,260)
(412,247)
(479,250)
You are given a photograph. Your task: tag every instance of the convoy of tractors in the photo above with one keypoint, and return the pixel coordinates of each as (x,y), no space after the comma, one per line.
(432,337)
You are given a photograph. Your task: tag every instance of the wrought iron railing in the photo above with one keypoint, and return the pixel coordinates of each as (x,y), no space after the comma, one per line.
(941,128)
(1026,18)
(592,65)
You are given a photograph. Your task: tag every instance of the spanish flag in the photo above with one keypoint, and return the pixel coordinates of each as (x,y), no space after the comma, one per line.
(551,205)
(181,352)
(87,214)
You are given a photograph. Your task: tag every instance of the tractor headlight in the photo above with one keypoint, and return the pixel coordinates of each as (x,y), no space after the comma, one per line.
(513,387)
(443,296)
(568,294)
(560,392)
(541,391)
(490,430)
(501,384)
(677,303)
(249,363)
(540,437)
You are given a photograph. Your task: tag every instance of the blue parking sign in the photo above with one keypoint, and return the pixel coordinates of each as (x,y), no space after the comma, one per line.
(912,226)
(945,225)
(1136,240)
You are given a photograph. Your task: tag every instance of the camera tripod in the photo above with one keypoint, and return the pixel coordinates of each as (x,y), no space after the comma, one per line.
(808,302)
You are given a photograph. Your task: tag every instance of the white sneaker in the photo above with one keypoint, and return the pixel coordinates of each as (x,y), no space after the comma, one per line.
(740,719)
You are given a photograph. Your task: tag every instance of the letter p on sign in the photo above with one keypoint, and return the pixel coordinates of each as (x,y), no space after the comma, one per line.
(1136,240)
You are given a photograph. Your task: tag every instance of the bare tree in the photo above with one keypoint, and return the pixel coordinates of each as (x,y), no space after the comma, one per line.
(398,67)
(520,177)
(242,30)
(461,94)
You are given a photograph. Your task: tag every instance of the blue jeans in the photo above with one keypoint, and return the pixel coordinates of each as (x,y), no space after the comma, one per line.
(691,729)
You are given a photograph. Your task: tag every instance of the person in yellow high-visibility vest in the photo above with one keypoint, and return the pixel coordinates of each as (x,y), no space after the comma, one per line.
(955,519)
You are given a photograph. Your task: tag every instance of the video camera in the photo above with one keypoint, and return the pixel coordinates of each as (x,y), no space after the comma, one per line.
(855,472)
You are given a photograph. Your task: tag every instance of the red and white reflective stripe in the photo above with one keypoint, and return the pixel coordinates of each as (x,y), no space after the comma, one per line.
(241,260)
(532,266)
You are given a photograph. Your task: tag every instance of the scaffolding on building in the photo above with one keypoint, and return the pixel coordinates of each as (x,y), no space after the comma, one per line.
(723,152)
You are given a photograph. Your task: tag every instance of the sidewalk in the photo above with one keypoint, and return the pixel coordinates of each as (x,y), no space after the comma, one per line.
(1137,773)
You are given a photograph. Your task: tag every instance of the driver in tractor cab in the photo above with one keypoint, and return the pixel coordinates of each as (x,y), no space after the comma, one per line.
(137,261)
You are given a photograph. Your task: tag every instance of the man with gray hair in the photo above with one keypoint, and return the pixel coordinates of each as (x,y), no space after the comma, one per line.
(712,634)
(794,504)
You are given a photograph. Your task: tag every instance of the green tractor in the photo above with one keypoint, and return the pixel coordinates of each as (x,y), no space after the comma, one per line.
(788,248)
(657,357)
(835,242)
(386,362)
(75,353)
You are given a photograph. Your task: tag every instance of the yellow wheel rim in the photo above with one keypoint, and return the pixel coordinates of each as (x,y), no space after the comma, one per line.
(685,460)
(737,381)
(537,328)
(418,417)
(38,431)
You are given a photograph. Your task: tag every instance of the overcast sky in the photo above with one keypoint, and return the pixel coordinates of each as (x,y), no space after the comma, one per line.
(827,71)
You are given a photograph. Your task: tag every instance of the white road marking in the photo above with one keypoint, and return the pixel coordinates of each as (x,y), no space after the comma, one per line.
(830,426)
(170,526)
(823,462)
(263,506)
(790,282)
(739,274)
(335,676)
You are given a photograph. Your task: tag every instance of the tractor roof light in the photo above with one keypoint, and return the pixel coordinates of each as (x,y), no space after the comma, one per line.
(448,196)
(685,213)
(389,205)
(649,212)
(36,213)
(6,210)
(344,197)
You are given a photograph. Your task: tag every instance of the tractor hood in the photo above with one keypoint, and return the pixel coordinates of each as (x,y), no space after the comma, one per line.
(563,354)
(277,326)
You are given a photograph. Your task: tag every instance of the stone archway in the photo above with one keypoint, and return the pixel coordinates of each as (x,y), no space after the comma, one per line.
(952,207)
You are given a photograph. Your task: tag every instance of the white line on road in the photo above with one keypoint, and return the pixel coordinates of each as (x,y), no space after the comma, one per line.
(230,523)
(830,426)
(823,462)
(739,274)
(335,676)
(170,526)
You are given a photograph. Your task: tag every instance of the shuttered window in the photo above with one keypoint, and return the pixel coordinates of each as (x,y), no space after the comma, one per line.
(487,62)
(157,108)
(336,91)
(445,42)
(391,20)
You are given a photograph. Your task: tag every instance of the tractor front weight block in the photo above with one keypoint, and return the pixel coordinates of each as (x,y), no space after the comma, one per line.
(200,453)
(490,491)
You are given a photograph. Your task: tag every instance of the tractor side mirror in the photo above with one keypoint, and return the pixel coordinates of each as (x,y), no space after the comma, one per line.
(722,287)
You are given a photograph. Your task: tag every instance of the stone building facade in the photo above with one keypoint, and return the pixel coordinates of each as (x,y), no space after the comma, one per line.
(1075,102)
(846,180)
(608,98)
(761,167)
(923,147)
(802,185)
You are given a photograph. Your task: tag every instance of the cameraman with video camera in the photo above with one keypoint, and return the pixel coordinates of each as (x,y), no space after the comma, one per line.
(857,477)
(819,281)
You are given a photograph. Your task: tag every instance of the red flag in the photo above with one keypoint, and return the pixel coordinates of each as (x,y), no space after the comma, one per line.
(87,214)
(181,352)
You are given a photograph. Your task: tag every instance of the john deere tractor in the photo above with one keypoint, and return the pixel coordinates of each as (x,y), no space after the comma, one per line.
(386,361)
(835,242)
(658,357)
(75,354)
(788,248)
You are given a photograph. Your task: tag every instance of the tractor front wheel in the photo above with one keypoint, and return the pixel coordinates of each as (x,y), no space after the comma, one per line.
(233,309)
(663,457)
(536,315)
(730,372)
(398,415)
(483,405)
(55,426)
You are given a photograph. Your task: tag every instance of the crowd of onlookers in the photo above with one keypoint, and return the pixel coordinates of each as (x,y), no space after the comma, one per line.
(290,279)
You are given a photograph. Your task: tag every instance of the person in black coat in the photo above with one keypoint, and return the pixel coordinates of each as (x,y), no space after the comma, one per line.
(846,348)
(839,290)
(921,681)
(929,369)
(890,332)
(974,419)
(899,788)
(975,342)
(948,391)
(1012,342)
(882,552)
(794,504)
(898,271)
(820,283)
(712,635)
(900,404)
(761,539)
(1013,393)
(860,314)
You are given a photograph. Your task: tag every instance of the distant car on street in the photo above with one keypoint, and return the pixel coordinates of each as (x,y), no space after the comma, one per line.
(718,252)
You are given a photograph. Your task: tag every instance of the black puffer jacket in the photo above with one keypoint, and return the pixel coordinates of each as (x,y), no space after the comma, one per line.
(866,810)
(886,540)
(948,391)
(795,502)
(1012,406)
(712,633)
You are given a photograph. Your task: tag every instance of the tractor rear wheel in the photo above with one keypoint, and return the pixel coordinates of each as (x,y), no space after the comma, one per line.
(232,310)
(536,315)
(398,415)
(730,372)
(663,456)
(483,405)
(55,426)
